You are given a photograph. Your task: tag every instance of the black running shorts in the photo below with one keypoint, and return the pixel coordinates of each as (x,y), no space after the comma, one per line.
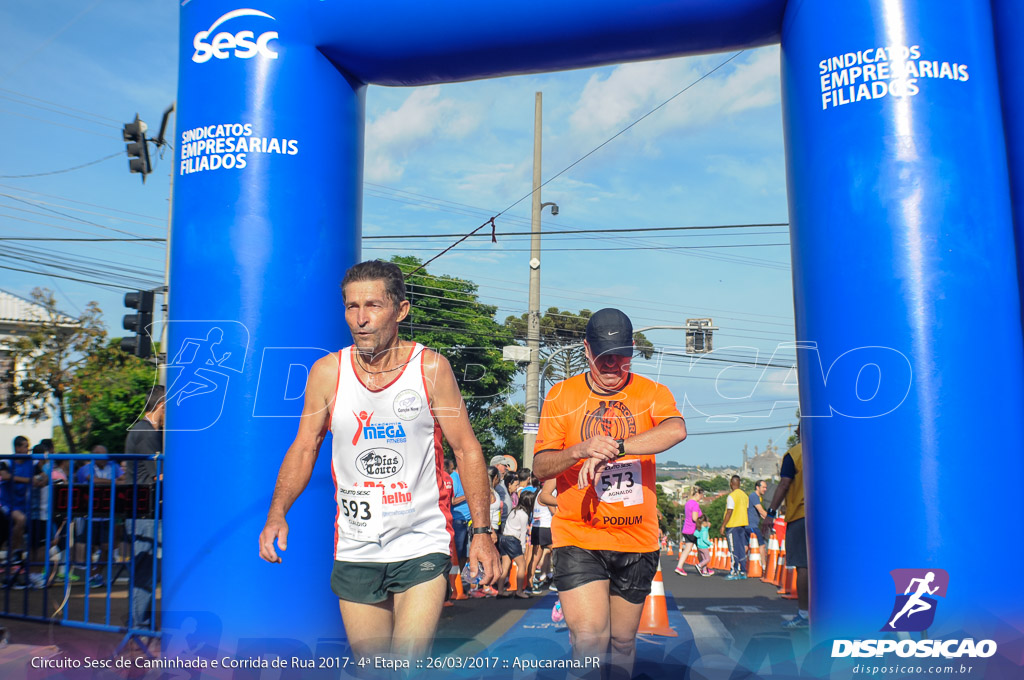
(629,575)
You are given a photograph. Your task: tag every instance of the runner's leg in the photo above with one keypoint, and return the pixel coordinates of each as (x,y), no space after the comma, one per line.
(683,554)
(369,627)
(587,610)
(625,619)
(416,613)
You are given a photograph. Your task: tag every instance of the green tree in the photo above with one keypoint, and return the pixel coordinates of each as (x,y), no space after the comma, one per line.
(715,511)
(108,396)
(45,359)
(715,484)
(670,512)
(560,333)
(448,317)
(793,439)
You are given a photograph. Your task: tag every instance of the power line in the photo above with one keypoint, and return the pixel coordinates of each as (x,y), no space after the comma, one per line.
(578,161)
(70,217)
(70,278)
(617,230)
(161,220)
(57,111)
(37,119)
(749,429)
(103,240)
(63,106)
(57,172)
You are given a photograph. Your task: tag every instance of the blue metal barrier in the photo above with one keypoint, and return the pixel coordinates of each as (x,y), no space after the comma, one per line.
(48,510)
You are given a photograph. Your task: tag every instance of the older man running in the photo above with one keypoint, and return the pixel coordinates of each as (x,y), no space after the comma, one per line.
(598,435)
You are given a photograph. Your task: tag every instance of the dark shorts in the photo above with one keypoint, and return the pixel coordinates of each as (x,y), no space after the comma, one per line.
(796,543)
(39,532)
(540,536)
(100,531)
(756,530)
(689,538)
(629,574)
(373,582)
(510,546)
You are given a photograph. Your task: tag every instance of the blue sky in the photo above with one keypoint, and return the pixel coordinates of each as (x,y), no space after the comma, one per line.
(441,160)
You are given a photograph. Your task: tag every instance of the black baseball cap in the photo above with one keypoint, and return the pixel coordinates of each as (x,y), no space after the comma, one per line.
(609,331)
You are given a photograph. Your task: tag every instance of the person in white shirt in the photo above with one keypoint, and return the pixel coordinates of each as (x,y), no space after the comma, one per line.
(510,545)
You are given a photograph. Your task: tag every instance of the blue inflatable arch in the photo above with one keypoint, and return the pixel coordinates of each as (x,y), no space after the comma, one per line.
(898,133)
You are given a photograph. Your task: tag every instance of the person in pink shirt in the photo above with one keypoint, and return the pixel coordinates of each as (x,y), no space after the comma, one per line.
(691,513)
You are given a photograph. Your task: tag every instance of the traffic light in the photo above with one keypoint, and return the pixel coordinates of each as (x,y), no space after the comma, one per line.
(137,147)
(141,345)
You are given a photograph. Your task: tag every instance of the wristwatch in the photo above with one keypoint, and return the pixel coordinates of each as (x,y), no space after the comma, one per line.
(622,447)
(481,530)
(772,514)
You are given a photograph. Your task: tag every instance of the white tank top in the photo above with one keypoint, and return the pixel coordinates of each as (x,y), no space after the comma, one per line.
(386,464)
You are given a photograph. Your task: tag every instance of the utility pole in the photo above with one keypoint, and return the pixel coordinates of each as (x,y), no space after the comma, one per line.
(532,420)
(162,355)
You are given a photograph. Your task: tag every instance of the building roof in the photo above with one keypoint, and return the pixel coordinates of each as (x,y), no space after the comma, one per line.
(16,309)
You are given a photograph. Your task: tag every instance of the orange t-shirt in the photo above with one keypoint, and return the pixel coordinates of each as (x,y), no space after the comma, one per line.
(618,511)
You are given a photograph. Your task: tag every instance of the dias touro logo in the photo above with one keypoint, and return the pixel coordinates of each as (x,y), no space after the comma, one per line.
(610,418)
(380,463)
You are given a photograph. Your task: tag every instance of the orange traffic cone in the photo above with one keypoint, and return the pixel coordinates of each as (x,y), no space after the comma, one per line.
(780,573)
(455,581)
(773,560)
(786,581)
(670,550)
(654,618)
(790,593)
(691,559)
(513,577)
(754,568)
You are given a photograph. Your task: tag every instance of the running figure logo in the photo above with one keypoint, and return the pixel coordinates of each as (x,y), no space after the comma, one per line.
(914,610)
(198,374)
(363,419)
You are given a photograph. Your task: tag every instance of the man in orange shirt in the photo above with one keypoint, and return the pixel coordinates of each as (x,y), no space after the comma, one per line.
(598,435)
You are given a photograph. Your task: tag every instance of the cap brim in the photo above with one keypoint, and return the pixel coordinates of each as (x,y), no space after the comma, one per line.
(600,349)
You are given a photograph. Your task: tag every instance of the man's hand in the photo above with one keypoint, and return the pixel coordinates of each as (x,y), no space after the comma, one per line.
(275,528)
(482,551)
(767,525)
(590,470)
(599,446)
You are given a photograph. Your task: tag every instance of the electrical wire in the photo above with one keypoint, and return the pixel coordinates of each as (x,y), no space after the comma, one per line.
(57,172)
(580,159)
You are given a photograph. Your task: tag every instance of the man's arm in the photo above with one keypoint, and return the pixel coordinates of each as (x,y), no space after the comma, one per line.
(777,498)
(725,520)
(551,463)
(658,439)
(760,510)
(297,466)
(450,411)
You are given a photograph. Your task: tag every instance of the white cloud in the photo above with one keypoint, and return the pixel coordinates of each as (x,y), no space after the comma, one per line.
(423,118)
(609,103)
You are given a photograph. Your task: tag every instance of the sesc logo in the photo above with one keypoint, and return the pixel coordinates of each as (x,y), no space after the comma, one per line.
(241,44)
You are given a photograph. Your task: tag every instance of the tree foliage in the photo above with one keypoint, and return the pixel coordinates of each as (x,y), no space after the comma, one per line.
(561,341)
(46,357)
(108,396)
(448,317)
